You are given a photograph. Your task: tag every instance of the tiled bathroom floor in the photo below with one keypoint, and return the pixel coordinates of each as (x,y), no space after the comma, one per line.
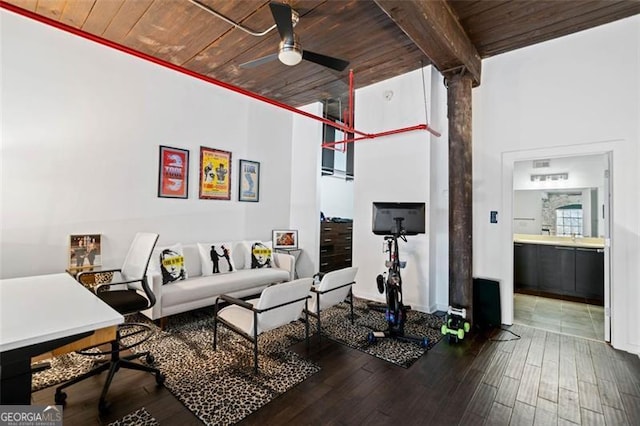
(561,316)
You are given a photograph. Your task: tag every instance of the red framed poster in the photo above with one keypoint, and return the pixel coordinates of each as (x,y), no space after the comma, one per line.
(173,177)
(215,174)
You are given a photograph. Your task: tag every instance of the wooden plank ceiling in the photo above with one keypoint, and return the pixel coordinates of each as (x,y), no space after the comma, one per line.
(359,31)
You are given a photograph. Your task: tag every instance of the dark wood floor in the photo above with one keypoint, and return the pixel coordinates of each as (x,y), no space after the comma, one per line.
(543,378)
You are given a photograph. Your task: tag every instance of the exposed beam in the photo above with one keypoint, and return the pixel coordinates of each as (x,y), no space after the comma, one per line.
(435,29)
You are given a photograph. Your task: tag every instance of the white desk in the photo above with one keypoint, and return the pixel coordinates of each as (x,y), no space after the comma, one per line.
(38,314)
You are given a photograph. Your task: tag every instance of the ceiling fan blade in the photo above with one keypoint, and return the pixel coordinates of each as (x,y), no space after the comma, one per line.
(256,62)
(327,61)
(282,15)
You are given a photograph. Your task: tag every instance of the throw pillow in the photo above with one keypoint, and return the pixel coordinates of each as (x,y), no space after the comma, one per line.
(170,261)
(260,255)
(216,258)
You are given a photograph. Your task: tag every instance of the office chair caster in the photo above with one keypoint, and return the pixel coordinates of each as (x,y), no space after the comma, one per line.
(61,398)
(160,378)
(149,359)
(103,407)
(425,342)
(371,338)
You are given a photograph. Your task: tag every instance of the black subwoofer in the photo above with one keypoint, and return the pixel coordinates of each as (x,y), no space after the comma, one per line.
(486,303)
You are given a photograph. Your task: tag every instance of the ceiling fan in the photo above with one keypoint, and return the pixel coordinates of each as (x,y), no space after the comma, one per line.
(290,51)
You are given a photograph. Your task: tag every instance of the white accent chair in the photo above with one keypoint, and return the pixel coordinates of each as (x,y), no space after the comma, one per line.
(279,304)
(334,287)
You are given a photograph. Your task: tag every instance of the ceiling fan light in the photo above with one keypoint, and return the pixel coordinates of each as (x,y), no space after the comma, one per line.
(290,52)
(290,57)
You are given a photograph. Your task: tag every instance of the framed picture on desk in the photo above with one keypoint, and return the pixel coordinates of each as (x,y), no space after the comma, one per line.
(85,251)
(285,239)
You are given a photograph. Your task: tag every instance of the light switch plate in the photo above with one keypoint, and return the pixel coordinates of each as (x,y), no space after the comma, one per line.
(493,217)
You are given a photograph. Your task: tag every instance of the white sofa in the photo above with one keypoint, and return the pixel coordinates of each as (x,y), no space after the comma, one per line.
(198,291)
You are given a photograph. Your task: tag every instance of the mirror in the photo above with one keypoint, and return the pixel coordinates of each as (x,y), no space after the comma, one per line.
(553,212)
(544,187)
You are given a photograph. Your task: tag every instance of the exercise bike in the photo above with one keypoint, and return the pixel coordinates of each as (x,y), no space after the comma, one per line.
(391,284)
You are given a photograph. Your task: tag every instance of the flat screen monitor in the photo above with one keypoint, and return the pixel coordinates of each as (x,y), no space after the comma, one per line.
(385,214)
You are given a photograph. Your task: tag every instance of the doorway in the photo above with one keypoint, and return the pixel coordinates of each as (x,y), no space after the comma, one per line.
(336,199)
(560,235)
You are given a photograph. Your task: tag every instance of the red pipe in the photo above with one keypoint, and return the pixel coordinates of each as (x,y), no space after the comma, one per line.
(348,115)
(125,49)
(330,145)
(350,118)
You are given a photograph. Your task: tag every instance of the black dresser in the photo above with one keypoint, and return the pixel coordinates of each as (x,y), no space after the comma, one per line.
(335,245)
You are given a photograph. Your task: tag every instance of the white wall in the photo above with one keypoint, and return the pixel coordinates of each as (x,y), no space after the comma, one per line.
(439,208)
(527,212)
(306,160)
(577,95)
(393,168)
(273,151)
(336,196)
(81,126)
(585,171)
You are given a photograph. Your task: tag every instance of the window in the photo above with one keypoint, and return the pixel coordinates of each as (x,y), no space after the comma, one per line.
(569,220)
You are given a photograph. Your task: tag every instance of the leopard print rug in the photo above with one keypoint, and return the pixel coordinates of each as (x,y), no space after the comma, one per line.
(140,417)
(220,387)
(63,368)
(337,326)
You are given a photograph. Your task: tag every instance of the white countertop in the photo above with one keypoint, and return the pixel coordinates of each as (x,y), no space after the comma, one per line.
(46,307)
(586,242)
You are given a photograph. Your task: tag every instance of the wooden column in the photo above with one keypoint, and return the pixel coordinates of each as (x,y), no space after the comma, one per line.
(460,197)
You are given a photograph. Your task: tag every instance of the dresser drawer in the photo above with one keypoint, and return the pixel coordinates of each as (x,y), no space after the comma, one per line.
(335,245)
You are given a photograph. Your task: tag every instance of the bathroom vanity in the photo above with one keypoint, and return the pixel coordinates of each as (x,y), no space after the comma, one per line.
(564,267)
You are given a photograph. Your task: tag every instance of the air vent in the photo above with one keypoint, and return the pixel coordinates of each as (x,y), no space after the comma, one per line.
(539,164)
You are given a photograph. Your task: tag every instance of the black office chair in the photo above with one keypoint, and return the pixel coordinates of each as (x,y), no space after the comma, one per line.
(127,292)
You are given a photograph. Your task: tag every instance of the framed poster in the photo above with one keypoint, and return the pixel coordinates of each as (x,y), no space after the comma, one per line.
(173,176)
(215,174)
(84,251)
(249,182)
(285,239)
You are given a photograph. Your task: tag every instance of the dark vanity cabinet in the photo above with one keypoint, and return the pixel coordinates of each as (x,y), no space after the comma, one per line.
(526,271)
(575,272)
(590,273)
(556,269)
